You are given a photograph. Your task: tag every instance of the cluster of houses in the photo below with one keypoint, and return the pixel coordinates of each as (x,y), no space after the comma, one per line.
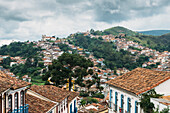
(162,58)
(122,93)
(15,60)
(52,51)
(7,72)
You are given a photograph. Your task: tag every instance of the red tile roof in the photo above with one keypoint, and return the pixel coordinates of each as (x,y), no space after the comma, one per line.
(51,92)
(37,105)
(8,82)
(140,80)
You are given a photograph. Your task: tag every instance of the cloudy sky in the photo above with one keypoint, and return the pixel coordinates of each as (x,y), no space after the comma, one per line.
(29,19)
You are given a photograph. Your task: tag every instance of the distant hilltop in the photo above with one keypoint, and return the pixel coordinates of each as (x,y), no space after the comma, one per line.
(155,32)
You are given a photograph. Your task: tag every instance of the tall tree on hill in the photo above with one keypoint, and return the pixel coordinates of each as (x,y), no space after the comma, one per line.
(66,67)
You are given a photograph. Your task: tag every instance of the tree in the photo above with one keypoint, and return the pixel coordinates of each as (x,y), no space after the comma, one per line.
(68,66)
(92,31)
(165,110)
(89,83)
(145,103)
(83,102)
(6,62)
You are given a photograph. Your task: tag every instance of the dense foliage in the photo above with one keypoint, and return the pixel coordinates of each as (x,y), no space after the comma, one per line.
(107,51)
(6,62)
(19,49)
(64,47)
(160,43)
(32,68)
(114,31)
(66,67)
(118,29)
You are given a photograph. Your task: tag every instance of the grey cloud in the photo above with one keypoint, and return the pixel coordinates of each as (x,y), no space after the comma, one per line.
(114,10)
(20,16)
(70,2)
(13,15)
(120,10)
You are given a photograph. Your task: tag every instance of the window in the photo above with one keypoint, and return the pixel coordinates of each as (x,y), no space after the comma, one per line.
(136,107)
(16,101)
(110,98)
(71,108)
(74,106)
(4,103)
(61,106)
(64,105)
(22,98)
(10,103)
(122,103)
(116,99)
(129,105)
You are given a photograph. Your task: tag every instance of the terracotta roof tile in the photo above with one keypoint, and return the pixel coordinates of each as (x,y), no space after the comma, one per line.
(51,92)
(140,80)
(37,105)
(7,82)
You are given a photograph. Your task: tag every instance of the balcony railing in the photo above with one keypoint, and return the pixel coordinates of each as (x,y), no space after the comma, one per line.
(22,109)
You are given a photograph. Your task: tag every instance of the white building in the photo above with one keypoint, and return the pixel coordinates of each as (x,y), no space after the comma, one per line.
(161,103)
(62,101)
(125,90)
(12,94)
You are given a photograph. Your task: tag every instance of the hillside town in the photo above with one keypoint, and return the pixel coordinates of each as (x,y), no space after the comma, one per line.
(51,99)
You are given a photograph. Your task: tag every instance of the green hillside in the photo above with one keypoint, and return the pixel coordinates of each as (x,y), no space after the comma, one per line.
(106,50)
(19,49)
(118,29)
(160,43)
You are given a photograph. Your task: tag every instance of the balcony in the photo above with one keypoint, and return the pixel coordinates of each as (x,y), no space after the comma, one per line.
(22,109)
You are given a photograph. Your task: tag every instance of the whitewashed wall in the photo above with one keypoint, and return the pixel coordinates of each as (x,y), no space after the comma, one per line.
(163,88)
(127,95)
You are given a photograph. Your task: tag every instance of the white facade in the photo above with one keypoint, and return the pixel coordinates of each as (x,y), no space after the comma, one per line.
(158,105)
(163,88)
(62,107)
(74,105)
(10,104)
(135,108)
(160,89)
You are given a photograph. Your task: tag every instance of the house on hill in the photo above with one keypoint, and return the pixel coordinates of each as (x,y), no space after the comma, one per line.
(46,38)
(125,90)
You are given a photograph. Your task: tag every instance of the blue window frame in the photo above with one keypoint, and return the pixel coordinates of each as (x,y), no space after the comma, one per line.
(74,106)
(128,105)
(116,99)
(110,97)
(136,107)
(122,102)
(70,108)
